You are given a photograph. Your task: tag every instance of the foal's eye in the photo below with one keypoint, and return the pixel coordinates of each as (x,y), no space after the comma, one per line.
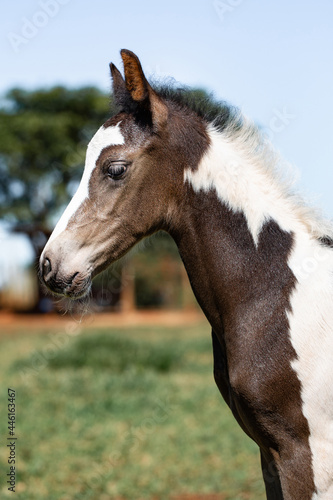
(116,170)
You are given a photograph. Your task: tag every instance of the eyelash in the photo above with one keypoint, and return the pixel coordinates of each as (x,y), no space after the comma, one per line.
(116,170)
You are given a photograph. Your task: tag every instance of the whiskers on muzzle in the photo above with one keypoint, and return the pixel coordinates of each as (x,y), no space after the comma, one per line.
(77,303)
(78,308)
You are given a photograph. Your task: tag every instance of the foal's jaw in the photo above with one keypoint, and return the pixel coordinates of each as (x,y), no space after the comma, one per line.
(76,287)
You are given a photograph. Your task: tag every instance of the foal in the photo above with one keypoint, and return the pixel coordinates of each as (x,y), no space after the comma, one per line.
(260,263)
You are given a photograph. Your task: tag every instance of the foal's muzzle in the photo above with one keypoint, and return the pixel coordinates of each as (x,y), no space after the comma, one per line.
(69,284)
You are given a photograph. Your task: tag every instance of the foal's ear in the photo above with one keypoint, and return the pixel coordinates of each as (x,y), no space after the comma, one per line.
(120,92)
(140,91)
(136,82)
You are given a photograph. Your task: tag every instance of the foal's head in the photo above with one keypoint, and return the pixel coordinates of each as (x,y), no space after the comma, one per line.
(131,185)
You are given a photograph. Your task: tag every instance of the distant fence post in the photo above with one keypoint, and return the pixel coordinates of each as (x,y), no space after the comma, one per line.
(127,295)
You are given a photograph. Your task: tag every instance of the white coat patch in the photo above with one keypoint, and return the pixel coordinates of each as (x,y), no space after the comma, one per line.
(250,184)
(311,334)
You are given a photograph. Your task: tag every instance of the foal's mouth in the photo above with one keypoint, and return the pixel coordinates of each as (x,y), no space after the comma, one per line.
(76,287)
(79,288)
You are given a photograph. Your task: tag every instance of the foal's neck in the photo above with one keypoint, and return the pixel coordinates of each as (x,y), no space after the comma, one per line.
(228,271)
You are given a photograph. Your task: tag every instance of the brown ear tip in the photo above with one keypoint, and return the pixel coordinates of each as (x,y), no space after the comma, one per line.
(127,55)
(127,52)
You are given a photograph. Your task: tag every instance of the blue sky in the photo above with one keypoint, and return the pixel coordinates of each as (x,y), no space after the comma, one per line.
(273,59)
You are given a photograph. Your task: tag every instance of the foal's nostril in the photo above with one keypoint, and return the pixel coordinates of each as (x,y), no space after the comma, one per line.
(47,268)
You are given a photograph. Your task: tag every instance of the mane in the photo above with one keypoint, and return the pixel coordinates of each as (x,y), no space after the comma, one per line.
(220,113)
(229,121)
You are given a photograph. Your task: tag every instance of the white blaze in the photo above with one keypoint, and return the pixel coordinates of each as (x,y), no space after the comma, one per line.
(104,137)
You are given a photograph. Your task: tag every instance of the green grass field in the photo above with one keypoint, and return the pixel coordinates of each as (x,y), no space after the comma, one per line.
(127,413)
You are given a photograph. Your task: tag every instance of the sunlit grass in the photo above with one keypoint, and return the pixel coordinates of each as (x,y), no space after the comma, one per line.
(122,414)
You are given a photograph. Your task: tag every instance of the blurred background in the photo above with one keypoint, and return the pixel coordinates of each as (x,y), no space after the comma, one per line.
(272,59)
